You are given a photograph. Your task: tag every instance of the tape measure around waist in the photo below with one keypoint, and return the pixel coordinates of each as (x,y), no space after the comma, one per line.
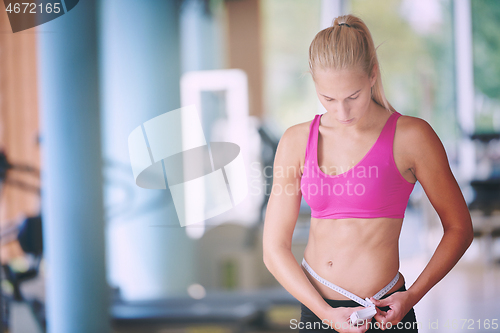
(346,293)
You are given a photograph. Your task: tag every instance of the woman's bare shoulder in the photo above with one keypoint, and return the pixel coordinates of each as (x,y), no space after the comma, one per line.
(298,131)
(417,136)
(292,145)
(414,128)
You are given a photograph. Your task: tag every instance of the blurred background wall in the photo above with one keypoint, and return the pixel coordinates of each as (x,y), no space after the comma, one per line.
(439,61)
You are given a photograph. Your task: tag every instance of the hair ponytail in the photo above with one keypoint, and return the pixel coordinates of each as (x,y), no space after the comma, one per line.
(348,44)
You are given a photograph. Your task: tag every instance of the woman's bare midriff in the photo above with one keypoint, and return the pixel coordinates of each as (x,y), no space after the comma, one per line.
(358,255)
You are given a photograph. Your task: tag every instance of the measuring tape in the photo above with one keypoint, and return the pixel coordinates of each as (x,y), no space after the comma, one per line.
(364,302)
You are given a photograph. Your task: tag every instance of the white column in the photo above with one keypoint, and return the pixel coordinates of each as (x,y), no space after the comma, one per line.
(330,9)
(150,256)
(465,86)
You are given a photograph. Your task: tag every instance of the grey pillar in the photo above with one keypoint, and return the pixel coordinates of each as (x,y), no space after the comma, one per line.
(72,201)
(150,255)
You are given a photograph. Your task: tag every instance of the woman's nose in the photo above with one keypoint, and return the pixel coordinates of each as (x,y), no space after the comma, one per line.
(342,112)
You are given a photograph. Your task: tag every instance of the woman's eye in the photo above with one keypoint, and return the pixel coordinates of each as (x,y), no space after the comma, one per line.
(329,100)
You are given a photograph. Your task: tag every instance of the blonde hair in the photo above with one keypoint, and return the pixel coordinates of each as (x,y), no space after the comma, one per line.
(348,44)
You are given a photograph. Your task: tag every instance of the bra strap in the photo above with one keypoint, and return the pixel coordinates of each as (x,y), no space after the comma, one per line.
(391,131)
(346,293)
(312,141)
(384,147)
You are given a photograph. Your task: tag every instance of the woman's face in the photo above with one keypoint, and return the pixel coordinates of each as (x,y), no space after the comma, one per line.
(345,94)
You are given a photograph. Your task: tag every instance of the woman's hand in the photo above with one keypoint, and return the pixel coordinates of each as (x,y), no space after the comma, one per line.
(399,303)
(339,320)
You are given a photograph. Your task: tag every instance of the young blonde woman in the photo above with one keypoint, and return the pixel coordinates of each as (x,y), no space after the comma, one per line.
(356,166)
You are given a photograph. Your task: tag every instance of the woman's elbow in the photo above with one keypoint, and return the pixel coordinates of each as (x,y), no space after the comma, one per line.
(267,258)
(270,256)
(467,235)
(470,237)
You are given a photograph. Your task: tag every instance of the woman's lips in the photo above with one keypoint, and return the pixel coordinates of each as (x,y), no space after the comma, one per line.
(347,121)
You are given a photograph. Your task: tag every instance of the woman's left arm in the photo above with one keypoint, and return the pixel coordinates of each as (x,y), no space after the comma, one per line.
(431,168)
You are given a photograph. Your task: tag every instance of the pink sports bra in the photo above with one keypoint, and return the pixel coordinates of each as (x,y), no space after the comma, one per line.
(372,188)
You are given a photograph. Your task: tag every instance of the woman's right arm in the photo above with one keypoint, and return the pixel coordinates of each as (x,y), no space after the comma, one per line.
(280,220)
(281,216)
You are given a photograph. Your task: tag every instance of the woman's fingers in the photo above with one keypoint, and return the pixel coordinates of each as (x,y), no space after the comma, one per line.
(381,315)
(381,303)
